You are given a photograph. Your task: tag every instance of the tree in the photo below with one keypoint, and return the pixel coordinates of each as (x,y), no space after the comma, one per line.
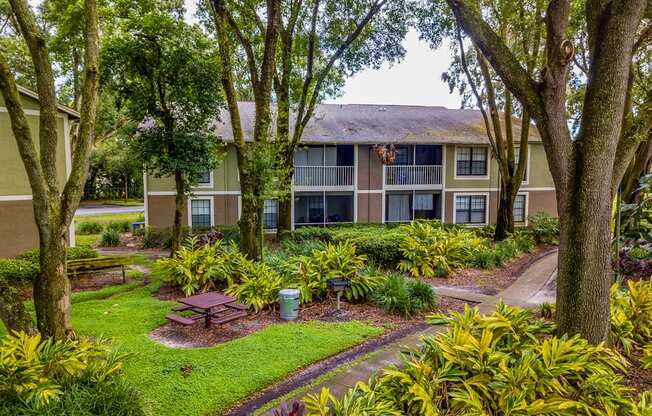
(166,75)
(470,73)
(586,168)
(54,203)
(237,26)
(320,43)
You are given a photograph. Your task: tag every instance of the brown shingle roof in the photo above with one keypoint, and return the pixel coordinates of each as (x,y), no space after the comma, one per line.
(371,123)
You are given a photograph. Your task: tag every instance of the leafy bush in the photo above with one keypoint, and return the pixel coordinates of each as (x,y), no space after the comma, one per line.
(544,228)
(632,266)
(257,288)
(313,233)
(74,253)
(17,270)
(301,248)
(505,363)
(119,226)
(631,314)
(430,250)
(110,238)
(157,238)
(195,268)
(404,296)
(379,243)
(89,227)
(36,373)
(485,258)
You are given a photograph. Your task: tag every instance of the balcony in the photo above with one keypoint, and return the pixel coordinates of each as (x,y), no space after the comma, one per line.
(413,176)
(323,176)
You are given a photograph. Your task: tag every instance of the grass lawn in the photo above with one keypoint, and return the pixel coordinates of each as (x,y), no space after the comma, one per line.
(105,219)
(221,375)
(120,202)
(87,240)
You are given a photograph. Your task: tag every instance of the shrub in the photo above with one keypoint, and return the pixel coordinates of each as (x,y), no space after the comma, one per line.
(403,296)
(379,243)
(119,226)
(89,227)
(257,288)
(485,259)
(157,238)
(17,270)
(195,268)
(313,233)
(431,251)
(230,233)
(74,253)
(301,248)
(505,363)
(35,374)
(631,314)
(632,267)
(544,228)
(109,238)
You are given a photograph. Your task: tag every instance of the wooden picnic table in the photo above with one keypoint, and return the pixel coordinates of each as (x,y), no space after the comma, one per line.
(212,307)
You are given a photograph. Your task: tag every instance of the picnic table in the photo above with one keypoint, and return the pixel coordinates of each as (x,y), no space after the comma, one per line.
(212,307)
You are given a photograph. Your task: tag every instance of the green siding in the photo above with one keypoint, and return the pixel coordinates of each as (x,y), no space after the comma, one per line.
(13,179)
(539,175)
(225,177)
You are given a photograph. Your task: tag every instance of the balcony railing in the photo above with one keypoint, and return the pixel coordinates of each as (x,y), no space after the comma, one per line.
(323,176)
(413,175)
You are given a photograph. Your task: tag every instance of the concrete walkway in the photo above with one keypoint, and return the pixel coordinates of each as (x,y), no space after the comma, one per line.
(533,280)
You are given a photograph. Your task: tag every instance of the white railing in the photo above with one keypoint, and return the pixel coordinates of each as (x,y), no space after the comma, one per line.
(413,175)
(323,176)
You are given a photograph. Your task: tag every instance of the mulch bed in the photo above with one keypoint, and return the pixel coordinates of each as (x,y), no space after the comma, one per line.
(492,282)
(84,282)
(636,377)
(178,336)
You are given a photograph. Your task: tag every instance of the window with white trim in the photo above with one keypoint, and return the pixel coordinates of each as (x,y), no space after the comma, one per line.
(270,214)
(204,178)
(471,161)
(517,153)
(519,208)
(470,209)
(200,212)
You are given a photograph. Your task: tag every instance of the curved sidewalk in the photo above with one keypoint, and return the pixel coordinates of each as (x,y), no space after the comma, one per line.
(521,293)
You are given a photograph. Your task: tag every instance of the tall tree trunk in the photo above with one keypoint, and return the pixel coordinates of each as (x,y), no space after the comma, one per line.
(584,268)
(505,218)
(638,167)
(51,286)
(284,225)
(250,222)
(179,206)
(12,311)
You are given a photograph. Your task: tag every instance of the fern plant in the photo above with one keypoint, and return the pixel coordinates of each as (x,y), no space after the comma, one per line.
(257,288)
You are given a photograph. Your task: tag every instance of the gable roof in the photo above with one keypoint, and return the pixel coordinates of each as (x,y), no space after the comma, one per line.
(64,109)
(371,124)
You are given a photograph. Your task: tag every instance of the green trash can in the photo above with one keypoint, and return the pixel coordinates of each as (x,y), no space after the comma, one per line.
(289,299)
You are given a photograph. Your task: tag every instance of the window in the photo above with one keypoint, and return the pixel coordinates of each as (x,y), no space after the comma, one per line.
(471,161)
(403,206)
(471,209)
(404,155)
(517,152)
(270,214)
(339,208)
(323,208)
(204,178)
(519,208)
(200,213)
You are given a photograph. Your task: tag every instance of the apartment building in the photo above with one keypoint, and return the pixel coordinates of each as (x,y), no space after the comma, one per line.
(373,164)
(17,225)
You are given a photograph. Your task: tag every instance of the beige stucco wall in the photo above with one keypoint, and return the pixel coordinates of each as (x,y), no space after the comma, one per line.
(17,228)
(160,210)
(225,176)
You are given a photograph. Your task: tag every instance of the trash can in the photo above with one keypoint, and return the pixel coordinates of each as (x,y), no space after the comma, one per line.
(289,299)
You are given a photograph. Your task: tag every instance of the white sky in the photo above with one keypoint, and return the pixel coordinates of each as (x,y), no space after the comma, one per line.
(416,80)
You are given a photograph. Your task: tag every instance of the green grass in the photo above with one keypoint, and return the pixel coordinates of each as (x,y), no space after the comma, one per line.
(120,202)
(86,240)
(105,219)
(221,375)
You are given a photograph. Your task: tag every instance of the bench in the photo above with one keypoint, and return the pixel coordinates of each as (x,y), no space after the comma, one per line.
(180,319)
(228,318)
(82,266)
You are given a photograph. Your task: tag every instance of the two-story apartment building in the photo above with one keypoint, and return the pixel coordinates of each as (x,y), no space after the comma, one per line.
(441,168)
(17,225)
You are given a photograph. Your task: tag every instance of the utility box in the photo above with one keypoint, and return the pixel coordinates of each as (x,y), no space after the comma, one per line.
(289,304)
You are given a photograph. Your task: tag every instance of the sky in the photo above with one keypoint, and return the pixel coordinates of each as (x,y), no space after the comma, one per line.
(416,80)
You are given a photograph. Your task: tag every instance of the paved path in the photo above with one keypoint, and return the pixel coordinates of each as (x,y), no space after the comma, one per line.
(521,293)
(94,210)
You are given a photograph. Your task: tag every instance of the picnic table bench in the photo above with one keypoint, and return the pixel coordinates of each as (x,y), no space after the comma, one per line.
(212,307)
(82,266)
